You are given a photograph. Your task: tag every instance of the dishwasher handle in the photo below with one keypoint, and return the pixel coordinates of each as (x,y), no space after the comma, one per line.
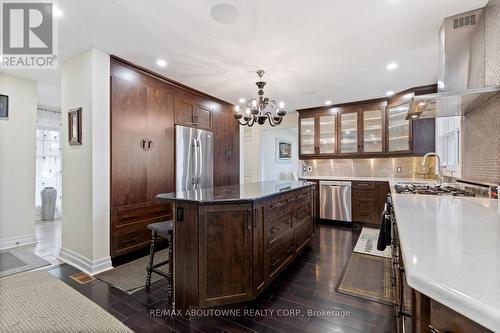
(334,183)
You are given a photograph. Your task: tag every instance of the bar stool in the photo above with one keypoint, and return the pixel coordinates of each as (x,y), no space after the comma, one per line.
(163,229)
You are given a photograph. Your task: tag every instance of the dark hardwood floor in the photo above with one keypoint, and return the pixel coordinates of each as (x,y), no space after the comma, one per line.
(307,285)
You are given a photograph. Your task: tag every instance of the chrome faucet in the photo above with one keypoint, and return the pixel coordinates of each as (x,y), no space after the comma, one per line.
(440,167)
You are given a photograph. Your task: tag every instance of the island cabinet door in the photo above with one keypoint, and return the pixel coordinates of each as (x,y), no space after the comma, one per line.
(259,248)
(225,254)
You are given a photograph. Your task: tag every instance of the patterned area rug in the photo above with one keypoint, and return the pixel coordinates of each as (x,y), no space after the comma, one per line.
(367,243)
(368,277)
(19,259)
(37,301)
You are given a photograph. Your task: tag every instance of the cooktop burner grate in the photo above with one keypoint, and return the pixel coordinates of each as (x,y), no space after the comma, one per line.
(432,189)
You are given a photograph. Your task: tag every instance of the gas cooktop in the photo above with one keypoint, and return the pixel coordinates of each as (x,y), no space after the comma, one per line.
(436,189)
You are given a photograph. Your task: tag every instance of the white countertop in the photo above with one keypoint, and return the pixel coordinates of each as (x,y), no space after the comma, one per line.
(372,179)
(451,249)
(451,252)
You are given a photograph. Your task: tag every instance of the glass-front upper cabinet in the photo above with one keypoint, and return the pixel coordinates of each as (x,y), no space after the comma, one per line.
(398,128)
(327,134)
(373,130)
(307,136)
(349,132)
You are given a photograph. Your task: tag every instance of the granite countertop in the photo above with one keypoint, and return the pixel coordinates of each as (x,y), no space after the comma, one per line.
(234,193)
(451,252)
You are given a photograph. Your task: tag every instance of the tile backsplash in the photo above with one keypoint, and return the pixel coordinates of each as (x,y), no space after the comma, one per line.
(399,167)
(481,142)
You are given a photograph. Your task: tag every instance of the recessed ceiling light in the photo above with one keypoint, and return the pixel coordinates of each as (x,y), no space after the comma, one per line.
(242,100)
(57,12)
(414,116)
(389,93)
(225,13)
(328,102)
(161,62)
(391,66)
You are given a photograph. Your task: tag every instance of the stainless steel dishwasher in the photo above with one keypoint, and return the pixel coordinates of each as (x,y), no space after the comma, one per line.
(335,200)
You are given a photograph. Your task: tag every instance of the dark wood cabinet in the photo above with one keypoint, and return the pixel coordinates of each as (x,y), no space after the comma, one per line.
(372,128)
(368,200)
(141,163)
(230,252)
(144,111)
(225,229)
(188,112)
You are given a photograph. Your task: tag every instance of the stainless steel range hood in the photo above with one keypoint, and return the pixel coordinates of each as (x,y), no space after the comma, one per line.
(469,64)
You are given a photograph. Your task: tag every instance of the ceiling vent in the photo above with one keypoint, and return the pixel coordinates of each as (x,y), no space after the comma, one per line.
(464,21)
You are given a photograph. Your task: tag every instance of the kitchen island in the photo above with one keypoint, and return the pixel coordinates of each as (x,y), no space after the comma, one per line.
(230,242)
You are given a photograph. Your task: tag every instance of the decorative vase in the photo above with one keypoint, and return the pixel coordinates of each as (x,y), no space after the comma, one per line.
(49,195)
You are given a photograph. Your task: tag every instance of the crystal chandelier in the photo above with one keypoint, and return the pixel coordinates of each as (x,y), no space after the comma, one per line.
(261,109)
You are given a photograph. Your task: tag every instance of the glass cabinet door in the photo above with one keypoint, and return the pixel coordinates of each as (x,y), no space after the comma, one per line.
(398,128)
(327,133)
(372,131)
(349,132)
(307,144)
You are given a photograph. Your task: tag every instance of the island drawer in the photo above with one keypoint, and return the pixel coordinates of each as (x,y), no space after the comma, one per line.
(302,233)
(278,226)
(279,254)
(303,208)
(278,208)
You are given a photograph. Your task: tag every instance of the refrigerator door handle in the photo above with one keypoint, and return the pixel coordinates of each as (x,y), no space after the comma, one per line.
(201,160)
(195,174)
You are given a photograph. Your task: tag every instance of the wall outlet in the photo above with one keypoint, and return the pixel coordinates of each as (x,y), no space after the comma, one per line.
(398,170)
(309,168)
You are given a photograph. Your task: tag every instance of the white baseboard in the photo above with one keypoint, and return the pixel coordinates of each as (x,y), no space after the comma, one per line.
(83,263)
(10,242)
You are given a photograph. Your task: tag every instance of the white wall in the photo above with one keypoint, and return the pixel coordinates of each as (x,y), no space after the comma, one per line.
(17,163)
(271,169)
(258,144)
(85,232)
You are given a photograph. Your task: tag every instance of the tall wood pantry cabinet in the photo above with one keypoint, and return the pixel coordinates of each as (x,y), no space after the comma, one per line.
(144,111)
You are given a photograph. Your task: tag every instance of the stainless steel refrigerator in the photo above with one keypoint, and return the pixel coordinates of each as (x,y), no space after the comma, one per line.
(194,158)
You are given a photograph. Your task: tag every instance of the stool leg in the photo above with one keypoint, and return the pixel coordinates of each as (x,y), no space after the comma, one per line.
(149,269)
(170,266)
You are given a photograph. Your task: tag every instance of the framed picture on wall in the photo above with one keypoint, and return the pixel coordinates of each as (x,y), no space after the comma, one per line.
(75,126)
(283,151)
(4,106)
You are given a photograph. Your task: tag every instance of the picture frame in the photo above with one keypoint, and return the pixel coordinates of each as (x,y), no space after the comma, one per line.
(4,107)
(75,126)
(283,150)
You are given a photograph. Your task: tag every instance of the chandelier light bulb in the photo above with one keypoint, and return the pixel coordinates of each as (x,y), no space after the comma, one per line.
(242,100)
(237,108)
(282,105)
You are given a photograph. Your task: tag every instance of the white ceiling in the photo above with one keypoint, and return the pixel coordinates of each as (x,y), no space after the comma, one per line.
(312,50)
